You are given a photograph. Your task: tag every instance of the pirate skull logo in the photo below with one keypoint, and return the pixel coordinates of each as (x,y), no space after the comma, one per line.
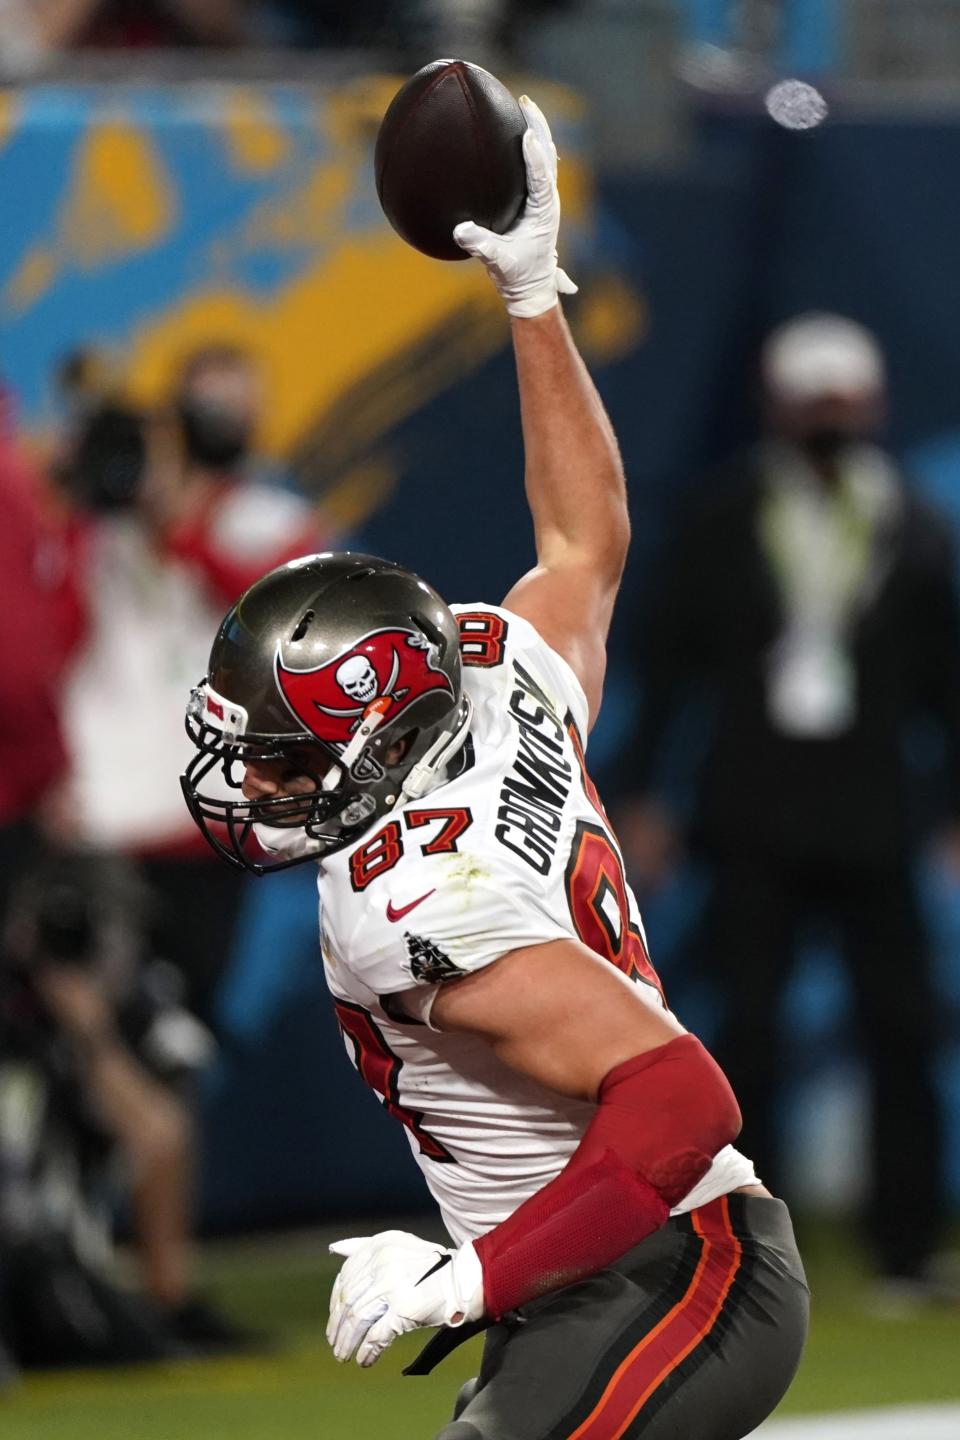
(330,700)
(358,679)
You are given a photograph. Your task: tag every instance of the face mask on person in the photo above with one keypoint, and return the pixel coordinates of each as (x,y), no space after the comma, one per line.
(212,436)
(827,445)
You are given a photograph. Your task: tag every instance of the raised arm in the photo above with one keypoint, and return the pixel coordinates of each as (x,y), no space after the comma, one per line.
(577,497)
(574,478)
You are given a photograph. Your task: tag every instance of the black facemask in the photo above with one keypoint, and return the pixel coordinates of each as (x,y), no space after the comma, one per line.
(827,445)
(212,436)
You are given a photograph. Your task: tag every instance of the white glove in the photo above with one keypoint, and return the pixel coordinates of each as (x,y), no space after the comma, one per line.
(394,1282)
(523,262)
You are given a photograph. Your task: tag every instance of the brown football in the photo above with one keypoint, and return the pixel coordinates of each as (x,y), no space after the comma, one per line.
(450,149)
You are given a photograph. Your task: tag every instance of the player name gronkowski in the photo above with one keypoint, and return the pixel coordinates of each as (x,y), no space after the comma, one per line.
(536,787)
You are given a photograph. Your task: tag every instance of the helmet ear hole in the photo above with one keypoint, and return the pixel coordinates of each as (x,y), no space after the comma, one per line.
(303,625)
(403,744)
(427,628)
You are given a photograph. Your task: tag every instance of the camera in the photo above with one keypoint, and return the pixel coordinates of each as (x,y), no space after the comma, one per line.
(107,460)
(64,923)
(82,910)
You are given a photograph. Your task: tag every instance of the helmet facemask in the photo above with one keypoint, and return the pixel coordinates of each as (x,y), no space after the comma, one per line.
(352,786)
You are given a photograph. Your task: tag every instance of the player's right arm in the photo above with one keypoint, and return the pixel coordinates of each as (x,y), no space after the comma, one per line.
(558,1014)
(574,478)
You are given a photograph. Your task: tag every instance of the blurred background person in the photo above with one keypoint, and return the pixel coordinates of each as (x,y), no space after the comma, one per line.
(32,32)
(97,1064)
(169,523)
(812,596)
(217,504)
(38,616)
(39,626)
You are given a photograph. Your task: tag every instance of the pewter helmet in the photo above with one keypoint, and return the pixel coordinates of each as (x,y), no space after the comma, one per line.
(336,664)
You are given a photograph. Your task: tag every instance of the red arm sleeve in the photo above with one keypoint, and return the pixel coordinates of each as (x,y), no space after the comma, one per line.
(661,1119)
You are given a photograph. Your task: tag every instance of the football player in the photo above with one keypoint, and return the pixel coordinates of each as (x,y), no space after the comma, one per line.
(485,955)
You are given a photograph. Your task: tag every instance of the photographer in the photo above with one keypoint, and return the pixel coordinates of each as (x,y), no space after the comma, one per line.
(167,528)
(211,496)
(98,1061)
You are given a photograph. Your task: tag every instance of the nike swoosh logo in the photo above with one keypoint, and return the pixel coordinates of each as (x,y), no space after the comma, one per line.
(394,915)
(443,1260)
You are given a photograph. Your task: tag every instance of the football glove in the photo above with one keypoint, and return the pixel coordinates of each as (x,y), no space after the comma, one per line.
(523,262)
(394,1282)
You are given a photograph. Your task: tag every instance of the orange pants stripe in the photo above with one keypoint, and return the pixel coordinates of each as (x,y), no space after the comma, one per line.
(680,1331)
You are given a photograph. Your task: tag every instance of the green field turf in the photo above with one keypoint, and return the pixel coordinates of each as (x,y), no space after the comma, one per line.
(299,1392)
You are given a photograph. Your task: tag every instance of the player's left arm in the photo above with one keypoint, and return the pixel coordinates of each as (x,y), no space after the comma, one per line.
(563,1017)
(574,478)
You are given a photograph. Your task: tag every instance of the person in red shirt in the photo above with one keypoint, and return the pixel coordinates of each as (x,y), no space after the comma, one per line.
(40,622)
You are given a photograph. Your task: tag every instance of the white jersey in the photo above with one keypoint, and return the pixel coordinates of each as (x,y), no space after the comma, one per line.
(513,851)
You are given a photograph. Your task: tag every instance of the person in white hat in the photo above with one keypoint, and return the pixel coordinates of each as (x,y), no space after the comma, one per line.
(816,596)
